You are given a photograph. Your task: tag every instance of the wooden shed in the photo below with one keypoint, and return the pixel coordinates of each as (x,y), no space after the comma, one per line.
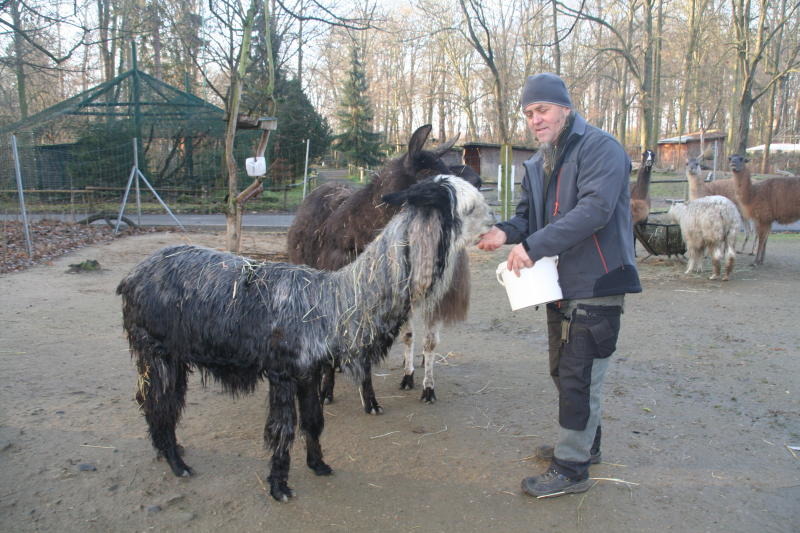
(674,151)
(485,157)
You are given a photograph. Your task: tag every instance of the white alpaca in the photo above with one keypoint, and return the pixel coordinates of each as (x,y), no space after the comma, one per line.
(708,224)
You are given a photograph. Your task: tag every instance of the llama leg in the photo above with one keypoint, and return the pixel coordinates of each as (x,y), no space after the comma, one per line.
(327,383)
(161,395)
(408,356)
(371,406)
(716,260)
(312,422)
(763,233)
(690,265)
(431,340)
(730,259)
(279,432)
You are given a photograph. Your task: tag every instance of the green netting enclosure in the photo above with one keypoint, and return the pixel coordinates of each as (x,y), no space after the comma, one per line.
(75,158)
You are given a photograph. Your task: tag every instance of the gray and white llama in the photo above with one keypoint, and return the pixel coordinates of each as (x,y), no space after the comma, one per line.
(708,224)
(337,221)
(239,322)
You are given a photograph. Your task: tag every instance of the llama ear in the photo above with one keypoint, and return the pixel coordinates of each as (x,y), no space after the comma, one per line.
(444,147)
(395,198)
(418,139)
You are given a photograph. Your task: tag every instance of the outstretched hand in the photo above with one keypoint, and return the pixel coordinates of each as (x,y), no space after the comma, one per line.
(492,239)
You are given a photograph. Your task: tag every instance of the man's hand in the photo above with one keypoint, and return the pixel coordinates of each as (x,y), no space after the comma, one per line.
(492,239)
(518,258)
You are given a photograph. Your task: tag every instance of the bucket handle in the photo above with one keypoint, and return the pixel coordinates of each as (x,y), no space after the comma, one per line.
(498,273)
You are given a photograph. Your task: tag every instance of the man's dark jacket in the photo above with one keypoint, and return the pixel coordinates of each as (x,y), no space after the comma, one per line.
(585,216)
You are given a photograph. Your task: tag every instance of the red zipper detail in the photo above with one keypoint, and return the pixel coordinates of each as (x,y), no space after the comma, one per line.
(558,188)
(599,251)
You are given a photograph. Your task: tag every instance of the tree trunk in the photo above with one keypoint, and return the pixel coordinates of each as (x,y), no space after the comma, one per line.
(19,64)
(646,86)
(233,215)
(556,48)
(768,131)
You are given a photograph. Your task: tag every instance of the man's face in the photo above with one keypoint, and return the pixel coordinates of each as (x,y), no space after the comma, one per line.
(545,120)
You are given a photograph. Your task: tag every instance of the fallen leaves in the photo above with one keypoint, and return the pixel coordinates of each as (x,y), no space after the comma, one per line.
(50,239)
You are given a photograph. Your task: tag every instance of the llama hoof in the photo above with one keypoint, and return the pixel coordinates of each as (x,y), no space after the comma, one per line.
(428,396)
(373,409)
(176,464)
(320,468)
(408,382)
(280,491)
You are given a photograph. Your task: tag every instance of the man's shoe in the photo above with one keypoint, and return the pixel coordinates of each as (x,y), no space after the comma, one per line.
(553,483)
(546,452)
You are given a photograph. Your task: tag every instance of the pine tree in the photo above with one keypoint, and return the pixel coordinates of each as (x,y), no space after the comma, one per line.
(297,121)
(357,141)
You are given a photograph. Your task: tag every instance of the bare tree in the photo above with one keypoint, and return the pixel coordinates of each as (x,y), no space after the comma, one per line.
(751,47)
(33,27)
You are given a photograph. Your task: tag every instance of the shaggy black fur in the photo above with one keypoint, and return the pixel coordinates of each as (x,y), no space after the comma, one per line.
(239,322)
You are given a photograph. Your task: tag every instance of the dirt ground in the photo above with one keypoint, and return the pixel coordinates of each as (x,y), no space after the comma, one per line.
(702,404)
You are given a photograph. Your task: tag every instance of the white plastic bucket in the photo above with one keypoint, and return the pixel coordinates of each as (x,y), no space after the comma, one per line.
(535,285)
(255,166)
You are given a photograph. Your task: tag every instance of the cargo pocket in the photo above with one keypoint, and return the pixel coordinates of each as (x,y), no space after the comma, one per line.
(604,334)
(575,376)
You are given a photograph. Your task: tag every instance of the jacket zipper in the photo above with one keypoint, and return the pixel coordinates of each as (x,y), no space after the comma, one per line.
(558,189)
(599,251)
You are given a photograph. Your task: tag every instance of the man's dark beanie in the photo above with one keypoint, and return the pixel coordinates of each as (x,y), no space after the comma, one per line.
(545,87)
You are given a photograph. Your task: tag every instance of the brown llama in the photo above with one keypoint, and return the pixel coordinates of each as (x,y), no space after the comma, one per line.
(699,188)
(640,191)
(337,221)
(767,201)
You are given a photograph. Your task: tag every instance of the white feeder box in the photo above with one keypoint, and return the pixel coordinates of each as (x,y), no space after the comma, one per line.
(255,166)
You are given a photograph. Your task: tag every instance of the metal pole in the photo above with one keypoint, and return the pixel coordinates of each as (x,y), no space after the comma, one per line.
(125,198)
(500,185)
(513,185)
(305,171)
(163,204)
(18,173)
(138,193)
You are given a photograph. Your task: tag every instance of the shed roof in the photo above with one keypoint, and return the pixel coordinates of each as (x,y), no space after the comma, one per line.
(709,135)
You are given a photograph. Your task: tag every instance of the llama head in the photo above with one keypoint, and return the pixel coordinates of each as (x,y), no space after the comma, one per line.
(738,162)
(443,216)
(454,199)
(421,164)
(675,212)
(693,166)
(648,158)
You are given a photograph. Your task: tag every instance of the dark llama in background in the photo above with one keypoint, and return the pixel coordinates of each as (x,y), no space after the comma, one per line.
(239,321)
(337,221)
(640,190)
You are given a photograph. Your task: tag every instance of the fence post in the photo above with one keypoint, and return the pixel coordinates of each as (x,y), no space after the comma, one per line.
(18,173)
(305,171)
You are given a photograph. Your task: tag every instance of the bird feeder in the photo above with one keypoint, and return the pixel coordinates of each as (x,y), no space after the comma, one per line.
(257,166)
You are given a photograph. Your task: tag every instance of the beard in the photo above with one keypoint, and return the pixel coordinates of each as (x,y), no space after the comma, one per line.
(550,150)
(549,153)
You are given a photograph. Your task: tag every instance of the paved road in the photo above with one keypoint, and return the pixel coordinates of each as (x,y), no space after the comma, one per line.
(252,222)
(257,222)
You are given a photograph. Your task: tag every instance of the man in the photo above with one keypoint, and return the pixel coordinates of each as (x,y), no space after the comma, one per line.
(575,205)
